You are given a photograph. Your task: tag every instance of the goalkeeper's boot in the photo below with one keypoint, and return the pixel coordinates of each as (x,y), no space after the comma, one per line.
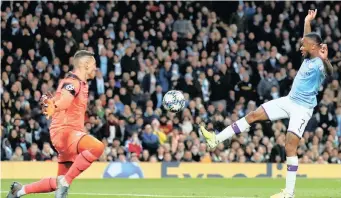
(283,194)
(62,187)
(15,187)
(210,137)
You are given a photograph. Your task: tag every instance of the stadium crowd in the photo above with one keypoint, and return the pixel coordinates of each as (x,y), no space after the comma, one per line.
(226,67)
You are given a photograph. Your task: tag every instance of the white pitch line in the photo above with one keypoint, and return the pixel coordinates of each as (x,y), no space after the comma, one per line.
(155,195)
(148,195)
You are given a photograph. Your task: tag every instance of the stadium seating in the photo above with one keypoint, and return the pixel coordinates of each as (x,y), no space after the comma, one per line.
(228,58)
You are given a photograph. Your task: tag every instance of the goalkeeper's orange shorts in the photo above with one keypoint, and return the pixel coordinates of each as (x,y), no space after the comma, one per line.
(66,143)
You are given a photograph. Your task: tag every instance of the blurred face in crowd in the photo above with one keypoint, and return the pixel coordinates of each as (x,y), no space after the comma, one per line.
(123,91)
(27,94)
(148,129)
(181,146)
(335,84)
(167,157)
(7,118)
(17,104)
(6,96)
(34,149)
(323,109)
(14,134)
(134,158)
(149,110)
(37,95)
(145,154)
(18,151)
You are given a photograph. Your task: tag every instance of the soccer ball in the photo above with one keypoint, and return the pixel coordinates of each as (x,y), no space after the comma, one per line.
(173,101)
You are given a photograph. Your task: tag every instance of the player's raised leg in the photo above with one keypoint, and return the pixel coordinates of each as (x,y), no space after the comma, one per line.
(237,127)
(89,149)
(43,186)
(272,110)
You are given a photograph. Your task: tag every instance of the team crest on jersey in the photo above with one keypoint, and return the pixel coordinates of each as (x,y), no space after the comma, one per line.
(310,66)
(70,87)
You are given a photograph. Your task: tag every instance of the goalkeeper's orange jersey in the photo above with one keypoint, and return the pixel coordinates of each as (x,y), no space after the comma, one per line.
(73,117)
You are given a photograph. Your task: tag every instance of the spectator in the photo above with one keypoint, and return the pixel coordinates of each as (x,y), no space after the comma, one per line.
(240,19)
(266,84)
(103,61)
(133,145)
(156,97)
(278,152)
(157,131)
(47,152)
(14,138)
(33,154)
(183,26)
(97,85)
(324,118)
(134,158)
(6,150)
(165,76)
(245,89)
(18,154)
(109,130)
(130,64)
(149,140)
(145,156)
(338,118)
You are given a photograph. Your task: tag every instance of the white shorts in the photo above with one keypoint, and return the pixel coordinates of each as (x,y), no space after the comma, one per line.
(284,107)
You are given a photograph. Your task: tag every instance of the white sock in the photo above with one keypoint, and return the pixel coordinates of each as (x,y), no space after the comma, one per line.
(292,166)
(237,127)
(21,192)
(64,182)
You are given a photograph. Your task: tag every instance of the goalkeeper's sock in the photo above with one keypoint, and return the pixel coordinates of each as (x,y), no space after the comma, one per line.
(292,166)
(42,186)
(237,127)
(82,162)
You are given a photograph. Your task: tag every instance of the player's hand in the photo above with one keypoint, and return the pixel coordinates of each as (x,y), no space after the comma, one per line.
(49,108)
(323,53)
(311,15)
(47,104)
(44,98)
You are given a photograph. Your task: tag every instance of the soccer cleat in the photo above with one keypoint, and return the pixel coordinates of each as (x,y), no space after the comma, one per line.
(62,187)
(210,138)
(15,187)
(283,194)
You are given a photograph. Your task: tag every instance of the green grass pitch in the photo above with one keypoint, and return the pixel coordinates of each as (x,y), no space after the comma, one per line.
(193,188)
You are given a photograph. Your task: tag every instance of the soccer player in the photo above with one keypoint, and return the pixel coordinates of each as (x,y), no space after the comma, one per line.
(298,105)
(76,149)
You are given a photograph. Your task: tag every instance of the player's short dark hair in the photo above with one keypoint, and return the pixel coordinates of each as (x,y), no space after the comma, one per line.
(83,53)
(314,36)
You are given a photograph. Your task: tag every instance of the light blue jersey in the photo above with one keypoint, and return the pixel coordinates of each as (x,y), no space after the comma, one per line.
(307,82)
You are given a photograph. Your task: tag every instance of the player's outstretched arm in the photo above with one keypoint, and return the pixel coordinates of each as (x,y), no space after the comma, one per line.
(328,67)
(323,53)
(311,16)
(63,101)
